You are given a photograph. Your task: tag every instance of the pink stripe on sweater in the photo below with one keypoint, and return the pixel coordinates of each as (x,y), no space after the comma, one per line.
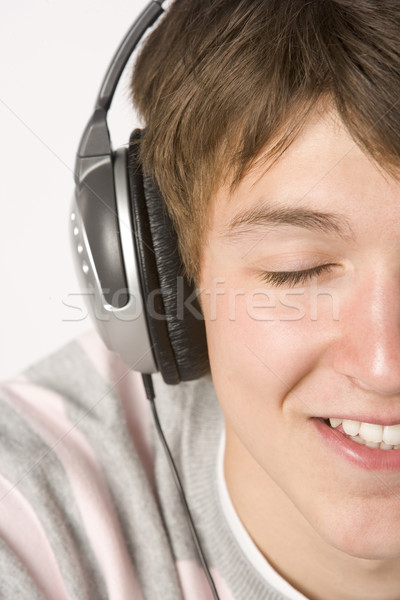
(23,533)
(129,387)
(44,410)
(195,585)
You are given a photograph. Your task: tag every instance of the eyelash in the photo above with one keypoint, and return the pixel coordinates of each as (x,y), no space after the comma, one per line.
(292,278)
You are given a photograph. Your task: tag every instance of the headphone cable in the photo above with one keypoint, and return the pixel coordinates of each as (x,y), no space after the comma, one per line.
(148,385)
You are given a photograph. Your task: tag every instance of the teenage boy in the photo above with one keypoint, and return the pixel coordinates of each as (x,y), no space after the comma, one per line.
(272,129)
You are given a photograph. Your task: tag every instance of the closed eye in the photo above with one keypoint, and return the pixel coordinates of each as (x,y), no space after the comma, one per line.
(292,278)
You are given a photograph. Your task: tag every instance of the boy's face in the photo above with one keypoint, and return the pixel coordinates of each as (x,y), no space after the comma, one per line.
(284,356)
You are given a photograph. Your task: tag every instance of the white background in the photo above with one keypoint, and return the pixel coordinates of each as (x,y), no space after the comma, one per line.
(53,57)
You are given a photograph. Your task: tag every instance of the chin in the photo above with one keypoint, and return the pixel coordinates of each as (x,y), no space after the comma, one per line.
(370,549)
(364,534)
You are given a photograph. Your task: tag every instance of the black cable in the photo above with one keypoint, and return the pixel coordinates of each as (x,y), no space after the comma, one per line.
(148,385)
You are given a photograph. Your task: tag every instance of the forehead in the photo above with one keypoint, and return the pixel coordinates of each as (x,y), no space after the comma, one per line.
(322,181)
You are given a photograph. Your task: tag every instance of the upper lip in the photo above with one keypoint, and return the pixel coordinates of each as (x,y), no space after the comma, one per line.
(377,420)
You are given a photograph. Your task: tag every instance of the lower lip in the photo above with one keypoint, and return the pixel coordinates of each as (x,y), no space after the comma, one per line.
(358,454)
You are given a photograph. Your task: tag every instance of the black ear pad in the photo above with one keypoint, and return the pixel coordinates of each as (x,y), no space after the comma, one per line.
(173,313)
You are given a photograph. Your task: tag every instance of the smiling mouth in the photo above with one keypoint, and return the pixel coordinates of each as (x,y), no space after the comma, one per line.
(367,434)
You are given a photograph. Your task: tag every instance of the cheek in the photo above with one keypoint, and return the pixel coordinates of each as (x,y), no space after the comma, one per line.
(254,364)
(260,342)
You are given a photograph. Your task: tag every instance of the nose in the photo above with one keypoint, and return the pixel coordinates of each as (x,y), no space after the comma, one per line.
(367,349)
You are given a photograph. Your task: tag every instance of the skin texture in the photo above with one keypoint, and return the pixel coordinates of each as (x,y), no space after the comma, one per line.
(329,527)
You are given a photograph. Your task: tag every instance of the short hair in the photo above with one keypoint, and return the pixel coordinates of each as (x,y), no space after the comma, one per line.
(220,81)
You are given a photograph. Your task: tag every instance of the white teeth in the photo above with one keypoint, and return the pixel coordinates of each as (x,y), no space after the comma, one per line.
(351,427)
(372,444)
(385,437)
(391,434)
(384,446)
(371,433)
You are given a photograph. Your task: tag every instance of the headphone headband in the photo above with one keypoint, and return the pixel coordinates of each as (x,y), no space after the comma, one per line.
(95,140)
(147,18)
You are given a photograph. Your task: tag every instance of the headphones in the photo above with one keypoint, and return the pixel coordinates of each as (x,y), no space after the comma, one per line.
(125,246)
(127,259)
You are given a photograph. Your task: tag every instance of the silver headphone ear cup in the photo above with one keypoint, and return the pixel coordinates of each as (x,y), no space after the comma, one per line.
(119,313)
(114,301)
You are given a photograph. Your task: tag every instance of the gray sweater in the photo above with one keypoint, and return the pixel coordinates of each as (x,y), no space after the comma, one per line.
(89,509)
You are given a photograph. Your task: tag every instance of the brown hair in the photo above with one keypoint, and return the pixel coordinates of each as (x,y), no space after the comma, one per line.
(218,80)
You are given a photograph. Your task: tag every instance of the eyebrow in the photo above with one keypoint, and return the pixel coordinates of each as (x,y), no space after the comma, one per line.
(271,216)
